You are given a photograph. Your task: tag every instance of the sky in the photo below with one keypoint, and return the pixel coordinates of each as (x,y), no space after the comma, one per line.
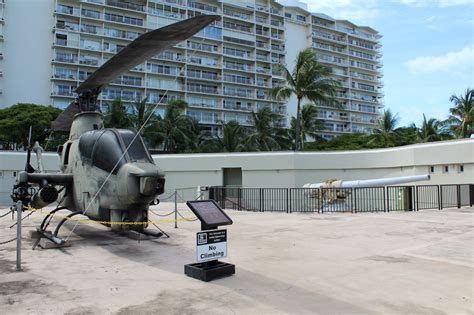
(428,50)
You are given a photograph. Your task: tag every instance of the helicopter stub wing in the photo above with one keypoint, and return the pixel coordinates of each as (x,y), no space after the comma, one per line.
(138,51)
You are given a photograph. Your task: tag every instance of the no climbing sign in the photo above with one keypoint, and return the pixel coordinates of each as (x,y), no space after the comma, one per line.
(211,245)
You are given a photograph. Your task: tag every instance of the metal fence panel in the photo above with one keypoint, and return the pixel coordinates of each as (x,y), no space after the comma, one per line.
(427,197)
(361,199)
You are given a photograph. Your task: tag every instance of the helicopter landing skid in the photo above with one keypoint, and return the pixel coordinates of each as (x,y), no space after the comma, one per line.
(145,235)
(47,240)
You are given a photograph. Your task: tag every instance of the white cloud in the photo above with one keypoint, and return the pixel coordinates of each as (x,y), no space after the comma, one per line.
(455,61)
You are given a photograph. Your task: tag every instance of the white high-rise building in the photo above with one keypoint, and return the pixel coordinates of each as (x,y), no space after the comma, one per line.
(47,48)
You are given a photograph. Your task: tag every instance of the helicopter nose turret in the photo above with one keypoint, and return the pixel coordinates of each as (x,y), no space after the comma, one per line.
(141,182)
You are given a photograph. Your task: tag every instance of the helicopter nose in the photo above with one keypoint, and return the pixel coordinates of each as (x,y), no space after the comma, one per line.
(151,182)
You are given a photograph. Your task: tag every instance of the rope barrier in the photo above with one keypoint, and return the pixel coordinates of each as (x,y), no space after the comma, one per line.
(4,215)
(161,215)
(9,241)
(117,222)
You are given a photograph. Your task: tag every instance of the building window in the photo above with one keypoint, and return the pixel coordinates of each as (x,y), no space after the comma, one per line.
(431,169)
(445,169)
(460,168)
(288,15)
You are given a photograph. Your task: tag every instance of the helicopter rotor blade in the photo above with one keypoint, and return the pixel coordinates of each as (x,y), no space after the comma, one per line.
(138,51)
(143,48)
(64,120)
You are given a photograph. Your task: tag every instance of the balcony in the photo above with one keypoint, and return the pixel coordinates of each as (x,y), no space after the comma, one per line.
(236,66)
(237,27)
(261,20)
(126,5)
(239,93)
(236,14)
(262,58)
(262,33)
(202,7)
(68,26)
(262,45)
(239,80)
(328,36)
(278,48)
(202,89)
(234,106)
(261,8)
(67,10)
(204,76)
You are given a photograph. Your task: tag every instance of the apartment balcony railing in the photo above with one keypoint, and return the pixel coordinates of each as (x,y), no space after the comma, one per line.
(91,14)
(202,89)
(263,83)
(261,96)
(123,19)
(65,76)
(276,36)
(68,26)
(247,94)
(202,7)
(67,43)
(121,34)
(277,72)
(237,53)
(89,62)
(239,80)
(263,70)
(329,48)
(237,107)
(275,11)
(262,45)
(204,105)
(332,60)
(262,58)
(203,47)
(67,10)
(237,27)
(261,20)
(205,76)
(340,39)
(261,8)
(170,56)
(237,66)
(63,93)
(260,32)
(126,5)
(278,48)
(277,23)
(69,59)
(178,2)
(236,14)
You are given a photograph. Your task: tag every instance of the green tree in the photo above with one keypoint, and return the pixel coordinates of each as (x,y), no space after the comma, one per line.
(143,119)
(461,119)
(431,130)
(309,80)
(310,123)
(15,122)
(262,136)
(232,137)
(177,131)
(117,116)
(386,130)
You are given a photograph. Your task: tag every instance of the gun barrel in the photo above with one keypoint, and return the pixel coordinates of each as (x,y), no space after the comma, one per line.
(372,182)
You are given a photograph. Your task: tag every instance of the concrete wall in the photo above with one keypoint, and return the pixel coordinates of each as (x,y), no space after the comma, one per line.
(289,169)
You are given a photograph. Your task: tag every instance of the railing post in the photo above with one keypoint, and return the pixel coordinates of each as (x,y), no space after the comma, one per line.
(239,198)
(458,195)
(320,200)
(19,210)
(287,200)
(416,198)
(175,209)
(353,198)
(384,199)
(387,189)
(440,196)
(261,199)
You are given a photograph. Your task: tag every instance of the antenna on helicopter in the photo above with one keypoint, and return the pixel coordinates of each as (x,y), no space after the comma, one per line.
(28,167)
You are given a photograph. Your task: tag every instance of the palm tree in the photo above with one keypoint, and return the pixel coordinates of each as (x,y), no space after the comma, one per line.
(309,80)
(116,116)
(461,119)
(430,130)
(232,137)
(262,136)
(310,123)
(387,126)
(177,130)
(144,120)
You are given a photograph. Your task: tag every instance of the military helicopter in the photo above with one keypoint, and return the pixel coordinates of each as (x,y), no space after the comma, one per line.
(105,174)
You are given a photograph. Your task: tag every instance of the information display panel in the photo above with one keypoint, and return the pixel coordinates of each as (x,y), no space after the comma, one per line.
(209,212)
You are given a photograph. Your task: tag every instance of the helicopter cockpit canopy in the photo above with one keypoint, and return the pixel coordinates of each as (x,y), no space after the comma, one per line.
(105,148)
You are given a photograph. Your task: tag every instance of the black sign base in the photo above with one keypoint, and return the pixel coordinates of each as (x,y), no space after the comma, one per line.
(209,271)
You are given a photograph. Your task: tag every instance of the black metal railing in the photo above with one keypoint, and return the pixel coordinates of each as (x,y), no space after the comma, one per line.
(361,199)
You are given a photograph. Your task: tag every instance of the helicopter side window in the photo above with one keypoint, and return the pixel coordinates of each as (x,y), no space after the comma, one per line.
(137,150)
(108,152)
(66,153)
